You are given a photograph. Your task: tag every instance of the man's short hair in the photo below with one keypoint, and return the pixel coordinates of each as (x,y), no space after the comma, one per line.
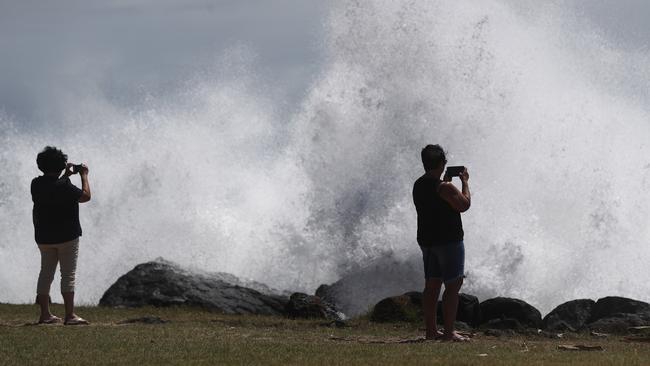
(433,156)
(51,160)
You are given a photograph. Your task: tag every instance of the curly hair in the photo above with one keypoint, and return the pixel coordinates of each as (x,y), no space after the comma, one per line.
(433,156)
(51,160)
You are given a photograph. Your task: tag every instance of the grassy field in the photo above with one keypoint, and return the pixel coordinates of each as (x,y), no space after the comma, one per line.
(193,336)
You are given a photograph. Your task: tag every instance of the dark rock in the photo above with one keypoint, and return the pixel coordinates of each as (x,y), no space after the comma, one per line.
(560,326)
(640,330)
(407,308)
(608,306)
(504,323)
(507,308)
(460,325)
(323,291)
(615,314)
(361,288)
(499,332)
(493,333)
(335,323)
(148,319)
(552,335)
(469,310)
(570,316)
(326,294)
(598,335)
(162,283)
(311,307)
(620,323)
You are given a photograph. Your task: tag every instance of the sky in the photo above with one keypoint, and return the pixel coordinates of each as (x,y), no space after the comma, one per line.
(126,51)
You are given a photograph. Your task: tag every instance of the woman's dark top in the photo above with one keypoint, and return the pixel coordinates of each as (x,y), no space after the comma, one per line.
(438,223)
(56,210)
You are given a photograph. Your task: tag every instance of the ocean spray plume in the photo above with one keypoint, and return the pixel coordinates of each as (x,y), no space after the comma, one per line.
(519,98)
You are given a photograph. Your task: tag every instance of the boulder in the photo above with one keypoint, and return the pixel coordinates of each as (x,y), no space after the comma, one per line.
(504,323)
(325,293)
(459,325)
(508,308)
(620,323)
(311,307)
(499,332)
(163,283)
(608,306)
(614,314)
(407,308)
(569,316)
(469,310)
(640,330)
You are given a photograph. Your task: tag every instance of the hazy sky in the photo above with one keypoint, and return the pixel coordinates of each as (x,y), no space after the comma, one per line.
(125,50)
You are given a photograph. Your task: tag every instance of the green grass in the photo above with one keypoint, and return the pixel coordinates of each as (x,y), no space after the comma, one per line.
(194,336)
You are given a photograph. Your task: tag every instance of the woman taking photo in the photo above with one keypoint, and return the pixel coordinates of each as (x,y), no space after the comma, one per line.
(57,229)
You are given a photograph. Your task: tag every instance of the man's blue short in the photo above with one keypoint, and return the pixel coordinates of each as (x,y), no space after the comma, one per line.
(446,261)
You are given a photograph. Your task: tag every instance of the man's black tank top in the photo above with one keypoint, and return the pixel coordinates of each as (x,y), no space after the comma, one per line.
(438,223)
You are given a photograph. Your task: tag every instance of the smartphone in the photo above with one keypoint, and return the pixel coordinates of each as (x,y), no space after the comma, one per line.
(454,171)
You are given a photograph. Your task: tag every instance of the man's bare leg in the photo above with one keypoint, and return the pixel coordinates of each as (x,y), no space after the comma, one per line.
(430,305)
(450,308)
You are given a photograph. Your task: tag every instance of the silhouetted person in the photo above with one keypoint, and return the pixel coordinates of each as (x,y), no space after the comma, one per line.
(440,236)
(57,229)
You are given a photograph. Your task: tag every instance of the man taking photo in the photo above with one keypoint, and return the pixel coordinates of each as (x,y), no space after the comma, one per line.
(440,235)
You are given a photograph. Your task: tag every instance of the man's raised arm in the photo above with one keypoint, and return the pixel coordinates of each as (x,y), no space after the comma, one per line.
(458,200)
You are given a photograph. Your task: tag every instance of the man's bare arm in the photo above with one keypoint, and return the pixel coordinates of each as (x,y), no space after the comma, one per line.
(464,178)
(458,200)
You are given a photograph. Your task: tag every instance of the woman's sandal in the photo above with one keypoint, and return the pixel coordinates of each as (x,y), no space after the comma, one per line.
(76,321)
(51,320)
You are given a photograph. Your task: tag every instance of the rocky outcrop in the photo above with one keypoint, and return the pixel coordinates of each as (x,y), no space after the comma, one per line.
(311,307)
(403,308)
(514,312)
(569,316)
(163,283)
